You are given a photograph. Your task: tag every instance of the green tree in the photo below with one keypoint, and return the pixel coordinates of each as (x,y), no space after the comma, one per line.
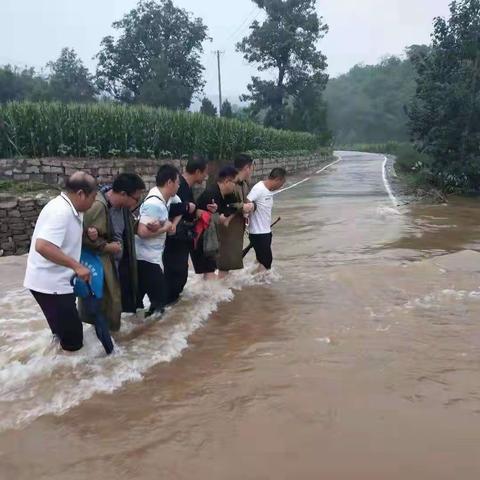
(226,110)
(70,80)
(16,84)
(208,108)
(244,114)
(156,58)
(445,113)
(308,111)
(367,104)
(285,42)
(161,90)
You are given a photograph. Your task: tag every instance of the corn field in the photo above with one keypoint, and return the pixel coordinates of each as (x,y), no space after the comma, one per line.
(112,130)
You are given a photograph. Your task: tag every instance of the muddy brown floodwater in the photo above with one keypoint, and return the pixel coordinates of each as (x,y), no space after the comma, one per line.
(358,359)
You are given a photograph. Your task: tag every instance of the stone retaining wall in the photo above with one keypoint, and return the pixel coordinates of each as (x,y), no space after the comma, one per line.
(54,171)
(17,221)
(19,213)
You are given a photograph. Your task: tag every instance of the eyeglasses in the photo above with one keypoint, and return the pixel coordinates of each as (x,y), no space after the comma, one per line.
(137,199)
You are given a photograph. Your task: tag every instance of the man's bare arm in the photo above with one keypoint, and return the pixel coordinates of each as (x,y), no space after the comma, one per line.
(144,232)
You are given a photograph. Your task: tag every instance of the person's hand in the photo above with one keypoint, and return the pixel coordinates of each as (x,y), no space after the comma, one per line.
(92,234)
(172,229)
(113,248)
(212,207)
(248,208)
(191,208)
(225,221)
(83,273)
(168,226)
(154,226)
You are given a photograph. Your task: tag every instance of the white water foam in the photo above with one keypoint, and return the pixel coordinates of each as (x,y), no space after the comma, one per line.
(37,378)
(385,211)
(436,300)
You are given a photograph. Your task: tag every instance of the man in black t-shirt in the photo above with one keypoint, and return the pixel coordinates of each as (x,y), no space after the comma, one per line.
(178,246)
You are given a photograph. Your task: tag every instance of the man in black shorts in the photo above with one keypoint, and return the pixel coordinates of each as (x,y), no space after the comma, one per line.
(260,232)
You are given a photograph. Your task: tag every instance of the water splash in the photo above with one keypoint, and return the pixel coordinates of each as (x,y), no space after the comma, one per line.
(37,378)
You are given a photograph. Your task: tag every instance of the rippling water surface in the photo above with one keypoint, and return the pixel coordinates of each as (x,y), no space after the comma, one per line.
(357,358)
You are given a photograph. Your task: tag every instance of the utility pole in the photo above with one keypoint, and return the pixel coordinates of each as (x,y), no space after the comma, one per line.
(218,53)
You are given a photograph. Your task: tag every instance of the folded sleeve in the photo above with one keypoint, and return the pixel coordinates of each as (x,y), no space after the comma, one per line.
(152,211)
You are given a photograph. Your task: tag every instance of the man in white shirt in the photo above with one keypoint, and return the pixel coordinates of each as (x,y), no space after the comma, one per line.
(260,232)
(55,256)
(150,244)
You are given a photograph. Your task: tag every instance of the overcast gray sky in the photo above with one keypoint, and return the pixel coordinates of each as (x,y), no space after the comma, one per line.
(32,32)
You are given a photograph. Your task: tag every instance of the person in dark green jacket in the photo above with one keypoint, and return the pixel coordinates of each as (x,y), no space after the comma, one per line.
(109,231)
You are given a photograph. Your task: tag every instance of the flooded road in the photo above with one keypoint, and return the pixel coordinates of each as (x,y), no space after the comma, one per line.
(358,358)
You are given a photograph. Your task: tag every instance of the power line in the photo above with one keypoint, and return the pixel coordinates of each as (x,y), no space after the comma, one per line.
(241,28)
(245,20)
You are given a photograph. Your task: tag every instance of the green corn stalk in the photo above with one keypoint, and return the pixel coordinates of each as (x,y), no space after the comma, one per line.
(103,129)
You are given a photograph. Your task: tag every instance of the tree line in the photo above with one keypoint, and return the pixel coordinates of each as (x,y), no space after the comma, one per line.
(368,104)
(155,59)
(429,99)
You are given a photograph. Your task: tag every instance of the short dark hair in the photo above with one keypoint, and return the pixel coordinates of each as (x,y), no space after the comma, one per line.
(165,173)
(80,181)
(277,173)
(227,172)
(128,183)
(241,160)
(197,162)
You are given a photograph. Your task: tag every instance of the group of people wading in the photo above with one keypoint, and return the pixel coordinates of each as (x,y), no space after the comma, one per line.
(143,242)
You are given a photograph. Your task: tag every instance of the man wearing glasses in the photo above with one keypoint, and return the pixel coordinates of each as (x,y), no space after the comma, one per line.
(110,233)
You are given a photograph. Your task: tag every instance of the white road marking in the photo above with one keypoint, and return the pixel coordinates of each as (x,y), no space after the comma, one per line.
(291,186)
(328,166)
(308,178)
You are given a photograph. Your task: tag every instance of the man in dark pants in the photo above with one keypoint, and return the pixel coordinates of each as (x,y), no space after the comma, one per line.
(150,244)
(55,257)
(178,246)
(260,232)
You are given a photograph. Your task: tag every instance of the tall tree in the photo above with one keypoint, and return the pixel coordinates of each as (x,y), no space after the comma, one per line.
(308,111)
(208,108)
(156,58)
(70,80)
(285,42)
(445,113)
(226,110)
